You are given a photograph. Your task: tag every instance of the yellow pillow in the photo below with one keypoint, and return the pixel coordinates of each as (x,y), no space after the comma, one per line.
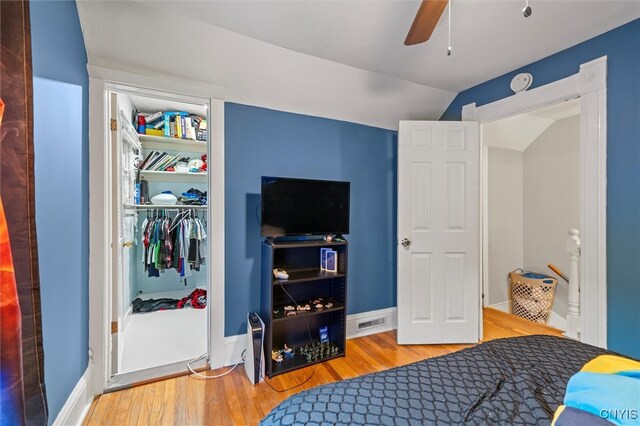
(610,364)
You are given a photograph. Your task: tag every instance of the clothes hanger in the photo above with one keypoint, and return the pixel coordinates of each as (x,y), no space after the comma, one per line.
(176,221)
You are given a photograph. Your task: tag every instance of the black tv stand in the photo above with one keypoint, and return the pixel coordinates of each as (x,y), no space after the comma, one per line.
(306,283)
(279,240)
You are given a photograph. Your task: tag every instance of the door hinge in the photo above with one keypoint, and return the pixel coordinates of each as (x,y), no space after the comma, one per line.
(114,327)
(114,124)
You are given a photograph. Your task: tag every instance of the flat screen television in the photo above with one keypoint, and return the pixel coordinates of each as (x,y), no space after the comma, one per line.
(294,207)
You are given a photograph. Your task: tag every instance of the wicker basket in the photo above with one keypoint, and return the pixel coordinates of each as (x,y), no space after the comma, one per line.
(531,295)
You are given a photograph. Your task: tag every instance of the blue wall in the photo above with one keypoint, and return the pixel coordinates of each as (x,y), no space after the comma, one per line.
(622,47)
(262,142)
(60,101)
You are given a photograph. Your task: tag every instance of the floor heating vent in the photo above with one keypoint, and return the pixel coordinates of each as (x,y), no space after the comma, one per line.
(371,323)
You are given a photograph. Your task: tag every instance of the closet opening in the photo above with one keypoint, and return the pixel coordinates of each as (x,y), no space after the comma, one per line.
(160,264)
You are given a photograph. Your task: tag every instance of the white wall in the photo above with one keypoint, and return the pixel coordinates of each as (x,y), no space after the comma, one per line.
(133,37)
(552,200)
(505,219)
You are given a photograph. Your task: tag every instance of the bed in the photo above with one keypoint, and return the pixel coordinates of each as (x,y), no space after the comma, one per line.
(518,380)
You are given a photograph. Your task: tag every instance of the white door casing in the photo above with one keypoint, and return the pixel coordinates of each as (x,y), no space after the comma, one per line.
(101,82)
(116,235)
(438,228)
(590,85)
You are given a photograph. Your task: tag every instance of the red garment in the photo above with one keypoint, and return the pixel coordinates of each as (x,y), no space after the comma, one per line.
(197,299)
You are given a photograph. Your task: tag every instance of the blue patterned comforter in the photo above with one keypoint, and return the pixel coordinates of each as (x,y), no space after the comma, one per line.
(518,380)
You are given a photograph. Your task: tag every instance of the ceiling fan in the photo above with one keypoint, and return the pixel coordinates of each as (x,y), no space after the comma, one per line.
(427,18)
(425,21)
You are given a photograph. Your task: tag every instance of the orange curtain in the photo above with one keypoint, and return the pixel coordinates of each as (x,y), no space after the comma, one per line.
(22,390)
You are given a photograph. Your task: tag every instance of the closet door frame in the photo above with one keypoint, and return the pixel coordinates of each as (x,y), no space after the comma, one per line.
(101,82)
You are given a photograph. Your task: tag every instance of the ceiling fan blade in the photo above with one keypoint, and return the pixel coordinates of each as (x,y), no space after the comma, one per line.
(425,21)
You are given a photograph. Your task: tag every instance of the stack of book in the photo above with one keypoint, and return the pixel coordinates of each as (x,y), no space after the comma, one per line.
(175,124)
(159,161)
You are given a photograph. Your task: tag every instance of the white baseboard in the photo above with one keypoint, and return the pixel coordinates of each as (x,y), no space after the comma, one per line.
(75,409)
(502,306)
(555,320)
(233,348)
(234,345)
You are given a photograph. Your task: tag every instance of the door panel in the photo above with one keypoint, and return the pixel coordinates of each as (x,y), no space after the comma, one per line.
(421,281)
(438,228)
(454,280)
(455,177)
(421,196)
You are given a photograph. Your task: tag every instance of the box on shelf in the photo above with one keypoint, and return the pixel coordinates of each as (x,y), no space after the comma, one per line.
(332,261)
(153,132)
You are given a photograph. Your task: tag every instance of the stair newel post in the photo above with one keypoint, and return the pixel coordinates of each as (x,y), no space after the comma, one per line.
(573,315)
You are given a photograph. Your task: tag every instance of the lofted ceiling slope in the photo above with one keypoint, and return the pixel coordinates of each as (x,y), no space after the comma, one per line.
(342,59)
(520,131)
(489,37)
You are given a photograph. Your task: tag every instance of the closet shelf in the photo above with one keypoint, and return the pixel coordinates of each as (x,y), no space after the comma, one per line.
(164,143)
(172,176)
(163,206)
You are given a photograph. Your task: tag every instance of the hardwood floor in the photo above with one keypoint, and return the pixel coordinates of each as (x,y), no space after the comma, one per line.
(233,400)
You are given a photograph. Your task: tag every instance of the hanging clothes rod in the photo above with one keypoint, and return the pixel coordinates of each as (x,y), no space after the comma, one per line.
(174,207)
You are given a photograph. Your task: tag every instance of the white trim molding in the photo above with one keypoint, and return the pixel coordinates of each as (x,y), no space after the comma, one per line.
(590,85)
(381,320)
(77,406)
(233,348)
(155,83)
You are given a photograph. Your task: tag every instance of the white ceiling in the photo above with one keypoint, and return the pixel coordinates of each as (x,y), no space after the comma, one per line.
(489,37)
(520,131)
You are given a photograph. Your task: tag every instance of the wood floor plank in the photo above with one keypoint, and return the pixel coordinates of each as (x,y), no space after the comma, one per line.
(99,413)
(249,393)
(181,403)
(155,416)
(168,402)
(144,415)
(232,400)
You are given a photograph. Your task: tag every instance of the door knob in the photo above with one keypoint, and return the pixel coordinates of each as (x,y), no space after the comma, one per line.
(405,242)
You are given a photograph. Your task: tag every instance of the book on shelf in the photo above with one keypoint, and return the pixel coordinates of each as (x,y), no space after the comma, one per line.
(169,118)
(155,117)
(154,160)
(175,124)
(185,121)
(159,162)
(162,163)
(146,160)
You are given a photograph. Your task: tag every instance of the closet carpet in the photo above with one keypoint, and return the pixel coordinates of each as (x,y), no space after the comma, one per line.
(164,337)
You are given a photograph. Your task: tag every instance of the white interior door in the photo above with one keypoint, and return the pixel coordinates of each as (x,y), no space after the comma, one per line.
(438,232)
(125,149)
